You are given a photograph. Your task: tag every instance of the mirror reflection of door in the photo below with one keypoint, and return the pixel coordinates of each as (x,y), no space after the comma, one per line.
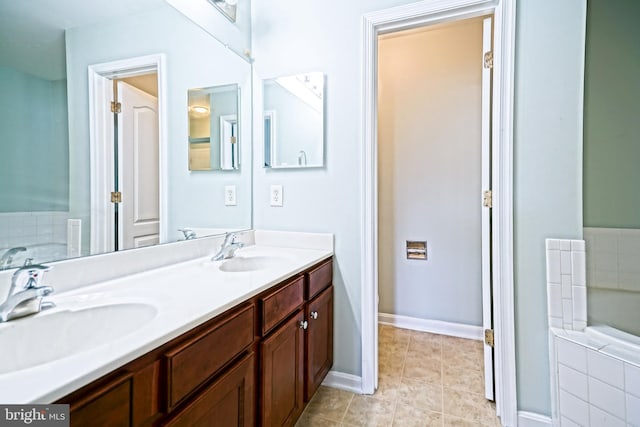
(139,222)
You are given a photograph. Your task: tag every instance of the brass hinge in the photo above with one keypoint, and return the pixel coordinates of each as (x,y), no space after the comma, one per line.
(233,140)
(116,107)
(487,199)
(488,59)
(488,337)
(116,197)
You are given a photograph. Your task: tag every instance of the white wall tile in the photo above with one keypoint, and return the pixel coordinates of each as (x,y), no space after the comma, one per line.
(556,322)
(565,245)
(573,355)
(567,312)
(578,269)
(552,244)
(600,418)
(565,262)
(553,267)
(555,300)
(573,381)
(566,286)
(632,379)
(633,410)
(578,245)
(573,408)
(579,299)
(606,369)
(606,397)
(566,422)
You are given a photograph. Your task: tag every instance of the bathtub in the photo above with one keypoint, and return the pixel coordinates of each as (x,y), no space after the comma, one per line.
(39,253)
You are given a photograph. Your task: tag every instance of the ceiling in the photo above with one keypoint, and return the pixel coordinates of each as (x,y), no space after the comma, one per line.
(32,31)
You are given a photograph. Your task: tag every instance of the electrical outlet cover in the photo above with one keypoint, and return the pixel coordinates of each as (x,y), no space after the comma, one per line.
(275,197)
(230,195)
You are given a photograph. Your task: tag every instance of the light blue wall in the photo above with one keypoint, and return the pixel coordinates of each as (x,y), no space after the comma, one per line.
(193,59)
(547,171)
(548,150)
(34,155)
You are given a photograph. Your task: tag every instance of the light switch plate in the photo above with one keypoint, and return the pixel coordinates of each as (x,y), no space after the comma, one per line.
(275,195)
(230,195)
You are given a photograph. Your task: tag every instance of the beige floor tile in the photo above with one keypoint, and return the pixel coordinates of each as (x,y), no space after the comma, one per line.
(421,367)
(409,416)
(463,378)
(310,420)
(369,411)
(430,348)
(388,386)
(472,407)
(391,366)
(420,394)
(329,403)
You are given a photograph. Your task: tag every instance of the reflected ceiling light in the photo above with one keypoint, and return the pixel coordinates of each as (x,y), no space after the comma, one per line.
(198,109)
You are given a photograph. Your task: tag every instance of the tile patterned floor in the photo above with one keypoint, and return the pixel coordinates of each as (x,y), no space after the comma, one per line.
(424,380)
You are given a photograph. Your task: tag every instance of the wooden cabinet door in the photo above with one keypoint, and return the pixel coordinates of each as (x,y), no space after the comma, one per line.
(319,342)
(228,402)
(282,358)
(107,404)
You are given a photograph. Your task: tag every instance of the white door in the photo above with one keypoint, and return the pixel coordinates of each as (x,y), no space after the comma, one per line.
(487,310)
(139,219)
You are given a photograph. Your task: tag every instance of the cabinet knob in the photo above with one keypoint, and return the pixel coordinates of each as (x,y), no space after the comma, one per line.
(303,324)
(314,315)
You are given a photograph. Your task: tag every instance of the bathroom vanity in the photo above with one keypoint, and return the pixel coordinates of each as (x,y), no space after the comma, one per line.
(241,341)
(255,364)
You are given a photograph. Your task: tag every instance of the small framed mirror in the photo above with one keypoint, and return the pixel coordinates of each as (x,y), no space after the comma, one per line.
(214,138)
(293,122)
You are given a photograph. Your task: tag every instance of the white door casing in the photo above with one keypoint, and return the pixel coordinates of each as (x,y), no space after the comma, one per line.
(139,219)
(410,16)
(487,309)
(101,143)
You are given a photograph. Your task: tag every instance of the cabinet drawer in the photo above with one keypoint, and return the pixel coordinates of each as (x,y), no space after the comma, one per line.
(106,405)
(229,401)
(319,278)
(196,360)
(279,304)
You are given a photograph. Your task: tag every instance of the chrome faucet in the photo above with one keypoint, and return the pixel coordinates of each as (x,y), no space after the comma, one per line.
(7,257)
(189,234)
(26,298)
(228,248)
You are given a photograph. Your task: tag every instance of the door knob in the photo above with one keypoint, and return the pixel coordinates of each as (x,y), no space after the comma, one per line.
(314,315)
(303,324)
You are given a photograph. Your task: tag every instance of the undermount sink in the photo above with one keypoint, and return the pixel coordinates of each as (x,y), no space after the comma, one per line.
(241,264)
(51,336)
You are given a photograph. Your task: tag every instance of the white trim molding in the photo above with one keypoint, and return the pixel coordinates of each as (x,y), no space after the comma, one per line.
(451,329)
(410,16)
(101,141)
(531,419)
(342,381)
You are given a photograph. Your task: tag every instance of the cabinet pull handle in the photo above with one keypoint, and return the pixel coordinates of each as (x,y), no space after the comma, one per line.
(314,315)
(303,324)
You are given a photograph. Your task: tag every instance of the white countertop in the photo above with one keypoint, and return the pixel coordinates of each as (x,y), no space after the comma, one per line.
(181,296)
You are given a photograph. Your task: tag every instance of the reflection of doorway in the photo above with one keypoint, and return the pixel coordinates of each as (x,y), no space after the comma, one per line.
(128,164)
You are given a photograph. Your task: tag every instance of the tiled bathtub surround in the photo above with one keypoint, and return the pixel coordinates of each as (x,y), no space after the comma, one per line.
(613,258)
(566,284)
(593,388)
(29,228)
(595,375)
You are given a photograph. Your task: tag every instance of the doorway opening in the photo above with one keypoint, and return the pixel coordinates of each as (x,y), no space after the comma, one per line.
(434,115)
(413,16)
(127,108)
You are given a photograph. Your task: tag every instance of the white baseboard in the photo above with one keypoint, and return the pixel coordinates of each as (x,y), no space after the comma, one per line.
(531,419)
(434,326)
(342,381)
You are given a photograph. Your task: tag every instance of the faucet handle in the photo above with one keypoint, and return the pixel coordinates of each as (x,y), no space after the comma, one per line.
(34,273)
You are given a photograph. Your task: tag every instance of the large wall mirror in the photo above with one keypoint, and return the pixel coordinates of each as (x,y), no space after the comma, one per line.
(611,210)
(293,126)
(67,169)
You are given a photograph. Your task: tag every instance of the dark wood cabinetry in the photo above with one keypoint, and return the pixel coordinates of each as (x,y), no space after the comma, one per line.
(256,364)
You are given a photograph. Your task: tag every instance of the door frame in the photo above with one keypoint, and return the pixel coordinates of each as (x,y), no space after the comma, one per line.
(101,142)
(411,16)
